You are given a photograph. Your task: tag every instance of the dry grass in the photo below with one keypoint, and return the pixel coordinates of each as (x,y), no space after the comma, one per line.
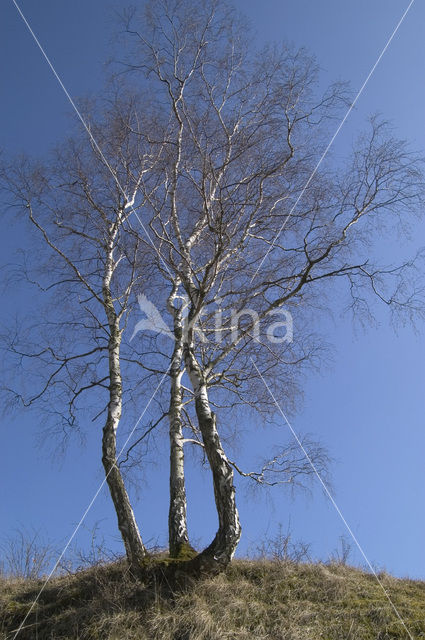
(252,600)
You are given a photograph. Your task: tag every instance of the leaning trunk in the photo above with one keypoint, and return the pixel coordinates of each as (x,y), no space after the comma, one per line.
(223,547)
(134,547)
(177,517)
(129,530)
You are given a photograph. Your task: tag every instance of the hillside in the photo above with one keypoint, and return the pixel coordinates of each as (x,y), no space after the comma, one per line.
(253,600)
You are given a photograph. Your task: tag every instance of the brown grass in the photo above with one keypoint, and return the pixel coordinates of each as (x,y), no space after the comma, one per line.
(253,600)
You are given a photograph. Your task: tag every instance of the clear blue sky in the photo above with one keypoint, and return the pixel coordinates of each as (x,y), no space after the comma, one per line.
(367,407)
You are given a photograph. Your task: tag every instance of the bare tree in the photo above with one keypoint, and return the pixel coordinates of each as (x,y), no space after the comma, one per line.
(248,228)
(70,361)
(205,202)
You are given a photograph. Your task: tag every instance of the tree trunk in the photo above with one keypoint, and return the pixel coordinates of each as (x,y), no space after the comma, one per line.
(133,543)
(223,547)
(177,515)
(134,547)
(177,519)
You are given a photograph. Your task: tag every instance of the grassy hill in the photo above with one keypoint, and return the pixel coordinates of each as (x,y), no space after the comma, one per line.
(253,600)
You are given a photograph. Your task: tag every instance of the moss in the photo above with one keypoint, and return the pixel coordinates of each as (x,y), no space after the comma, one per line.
(185,552)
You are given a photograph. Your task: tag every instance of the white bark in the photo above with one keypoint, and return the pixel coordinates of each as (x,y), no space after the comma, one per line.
(223,547)
(177,515)
(133,543)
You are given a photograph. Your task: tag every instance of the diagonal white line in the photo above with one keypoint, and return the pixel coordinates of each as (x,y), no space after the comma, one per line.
(262,261)
(87,128)
(324,154)
(334,504)
(92,501)
(99,150)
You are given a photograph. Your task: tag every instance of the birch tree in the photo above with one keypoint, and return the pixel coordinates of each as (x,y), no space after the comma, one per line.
(83,260)
(206,208)
(250,228)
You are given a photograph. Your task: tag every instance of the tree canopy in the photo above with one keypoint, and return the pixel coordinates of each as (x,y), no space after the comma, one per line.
(197,198)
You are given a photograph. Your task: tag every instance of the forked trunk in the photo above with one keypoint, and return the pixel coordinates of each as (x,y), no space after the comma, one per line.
(223,547)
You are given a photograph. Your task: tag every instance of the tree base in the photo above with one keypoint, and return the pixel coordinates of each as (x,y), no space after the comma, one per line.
(172,575)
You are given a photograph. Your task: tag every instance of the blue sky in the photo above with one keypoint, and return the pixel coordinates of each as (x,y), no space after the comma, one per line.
(367,407)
